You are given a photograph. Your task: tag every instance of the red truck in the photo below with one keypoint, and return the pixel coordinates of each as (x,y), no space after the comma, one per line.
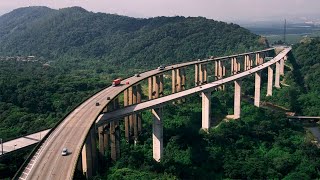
(116,82)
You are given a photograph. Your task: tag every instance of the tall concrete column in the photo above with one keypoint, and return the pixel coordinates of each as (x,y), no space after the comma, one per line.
(134,116)
(156,86)
(237,99)
(157,136)
(245,64)
(183,79)
(101,141)
(201,74)
(257,85)
(270,81)
(88,155)
(232,66)
(277,77)
(161,85)
(94,149)
(196,74)
(235,63)
(139,115)
(115,134)
(150,87)
(205,74)
(216,70)
(183,82)
(239,66)
(257,59)
(114,140)
(261,56)
(130,102)
(220,69)
(178,74)
(126,119)
(106,137)
(174,81)
(206,110)
(282,67)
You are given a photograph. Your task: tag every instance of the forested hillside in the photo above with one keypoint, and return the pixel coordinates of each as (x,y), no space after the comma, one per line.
(74,33)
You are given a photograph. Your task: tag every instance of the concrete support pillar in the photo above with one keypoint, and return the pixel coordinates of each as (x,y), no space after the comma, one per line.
(205,74)
(245,64)
(201,70)
(156,84)
(238,66)
(157,135)
(88,155)
(282,67)
(183,82)
(216,70)
(174,81)
(115,140)
(139,115)
(220,69)
(261,57)
(178,74)
(183,79)
(150,87)
(277,77)
(232,66)
(257,59)
(115,134)
(130,102)
(223,73)
(101,141)
(106,137)
(161,85)
(257,85)
(237,99)
(196,74)
(251,62)
(134,116)
(270,81)
(126,119)
(87,159)
(206,110)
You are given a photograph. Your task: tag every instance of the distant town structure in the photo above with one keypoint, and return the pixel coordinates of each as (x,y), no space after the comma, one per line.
(19,58)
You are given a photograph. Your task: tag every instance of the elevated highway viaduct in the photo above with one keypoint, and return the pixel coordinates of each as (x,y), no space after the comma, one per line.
(78,131)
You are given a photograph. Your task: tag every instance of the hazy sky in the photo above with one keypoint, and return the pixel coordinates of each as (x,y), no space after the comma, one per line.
(226,10)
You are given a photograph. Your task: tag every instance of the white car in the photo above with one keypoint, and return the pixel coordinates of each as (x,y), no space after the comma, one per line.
(64,152)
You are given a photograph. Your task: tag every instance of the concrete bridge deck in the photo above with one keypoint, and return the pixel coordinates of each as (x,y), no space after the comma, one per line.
(22,142)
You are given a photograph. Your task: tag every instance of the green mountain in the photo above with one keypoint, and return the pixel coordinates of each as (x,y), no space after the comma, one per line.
(77,33)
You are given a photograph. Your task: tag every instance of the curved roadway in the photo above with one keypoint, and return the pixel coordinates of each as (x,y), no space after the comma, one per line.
(47,163)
